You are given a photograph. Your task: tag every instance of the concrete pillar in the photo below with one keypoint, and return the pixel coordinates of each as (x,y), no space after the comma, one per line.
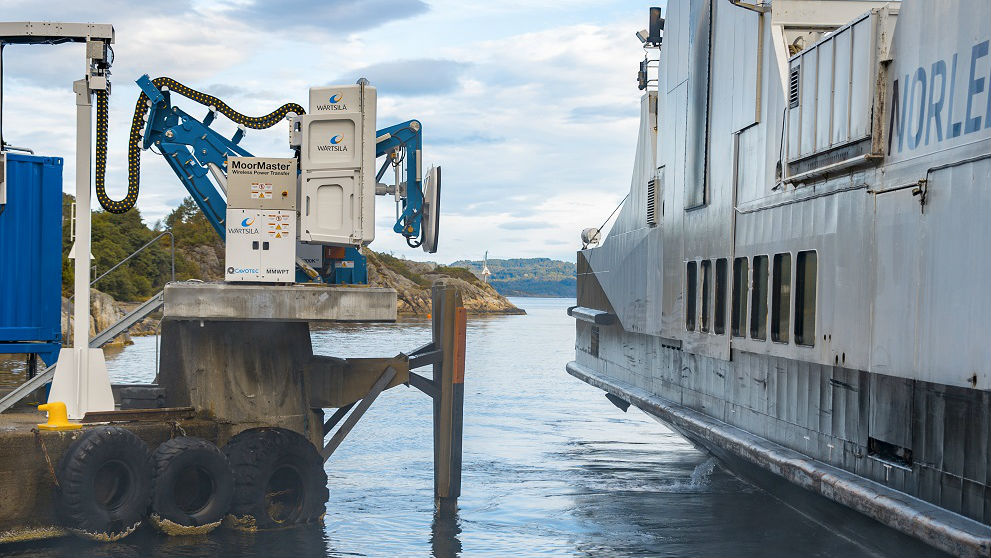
(243,373)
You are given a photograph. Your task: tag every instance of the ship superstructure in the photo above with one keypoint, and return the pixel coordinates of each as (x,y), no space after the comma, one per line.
(799,278)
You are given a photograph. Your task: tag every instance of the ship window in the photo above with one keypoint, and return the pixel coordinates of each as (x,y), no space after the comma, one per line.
(706,292)
(691,284)
(719,323)
(781,298)
(806,267)
(738,320)
(758,300)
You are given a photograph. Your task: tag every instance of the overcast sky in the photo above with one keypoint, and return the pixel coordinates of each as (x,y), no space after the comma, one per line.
(531,107)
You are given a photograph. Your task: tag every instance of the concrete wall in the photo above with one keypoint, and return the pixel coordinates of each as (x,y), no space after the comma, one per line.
(245,374)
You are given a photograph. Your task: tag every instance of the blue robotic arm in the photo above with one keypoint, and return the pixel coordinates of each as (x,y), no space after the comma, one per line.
(194,151)
(190,147)
(397,142)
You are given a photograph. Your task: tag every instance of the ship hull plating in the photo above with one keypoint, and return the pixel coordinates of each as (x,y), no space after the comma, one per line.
(799,275)
(810,425)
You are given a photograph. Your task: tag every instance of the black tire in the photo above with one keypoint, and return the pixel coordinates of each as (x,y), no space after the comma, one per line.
(278,476)
(193,486)
(104,484)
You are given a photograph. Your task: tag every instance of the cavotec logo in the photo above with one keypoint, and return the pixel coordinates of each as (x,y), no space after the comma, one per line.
(235,270)
(334,103)
(335,144)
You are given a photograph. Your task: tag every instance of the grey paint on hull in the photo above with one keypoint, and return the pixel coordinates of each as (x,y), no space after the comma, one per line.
(932,524)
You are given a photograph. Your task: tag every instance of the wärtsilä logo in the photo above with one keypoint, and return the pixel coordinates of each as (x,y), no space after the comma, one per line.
(335,144)
(334,103)
(245,227)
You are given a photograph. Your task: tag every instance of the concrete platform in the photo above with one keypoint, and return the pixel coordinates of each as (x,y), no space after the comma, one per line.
(280,303)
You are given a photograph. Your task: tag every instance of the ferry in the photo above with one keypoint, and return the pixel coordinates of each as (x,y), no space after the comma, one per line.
(798,279)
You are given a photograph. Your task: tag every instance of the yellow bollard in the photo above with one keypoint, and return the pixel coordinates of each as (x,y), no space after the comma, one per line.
(57,417)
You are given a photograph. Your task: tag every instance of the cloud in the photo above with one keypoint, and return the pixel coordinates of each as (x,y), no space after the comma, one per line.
(225,90)
(599,113)
(327,15)
(410,77)
(472,138)
(523,225)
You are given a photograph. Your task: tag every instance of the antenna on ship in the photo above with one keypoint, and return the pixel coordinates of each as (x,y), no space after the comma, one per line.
(651,38)
(485,268)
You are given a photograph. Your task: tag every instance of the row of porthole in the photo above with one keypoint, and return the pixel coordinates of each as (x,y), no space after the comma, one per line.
(706,290)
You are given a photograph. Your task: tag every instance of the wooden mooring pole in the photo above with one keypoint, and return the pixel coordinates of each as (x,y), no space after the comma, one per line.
(449,336)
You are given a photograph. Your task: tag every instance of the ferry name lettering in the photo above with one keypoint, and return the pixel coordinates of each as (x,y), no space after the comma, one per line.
(919,124)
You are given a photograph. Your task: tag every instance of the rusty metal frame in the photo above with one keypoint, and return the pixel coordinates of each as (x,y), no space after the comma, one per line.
(352,385)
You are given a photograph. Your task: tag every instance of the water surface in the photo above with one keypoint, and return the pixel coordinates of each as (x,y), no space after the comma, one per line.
(551,468)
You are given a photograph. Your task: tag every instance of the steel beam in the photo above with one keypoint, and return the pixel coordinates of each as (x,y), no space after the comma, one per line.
(336,418)
(355,416)
(426,386)
(449,335)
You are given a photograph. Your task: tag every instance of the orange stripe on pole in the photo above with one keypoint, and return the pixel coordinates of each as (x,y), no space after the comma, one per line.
(460,342)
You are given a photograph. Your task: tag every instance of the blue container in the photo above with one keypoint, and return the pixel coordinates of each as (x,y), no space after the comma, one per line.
(31,257)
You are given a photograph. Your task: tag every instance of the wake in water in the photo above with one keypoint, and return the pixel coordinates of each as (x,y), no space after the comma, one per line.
(703,473)
(698,481)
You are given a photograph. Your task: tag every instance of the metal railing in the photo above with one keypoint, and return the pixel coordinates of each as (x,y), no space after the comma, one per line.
(135,253)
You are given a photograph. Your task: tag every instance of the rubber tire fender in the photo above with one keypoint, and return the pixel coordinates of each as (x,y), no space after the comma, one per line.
(173,461)
(278,476)
(104,484)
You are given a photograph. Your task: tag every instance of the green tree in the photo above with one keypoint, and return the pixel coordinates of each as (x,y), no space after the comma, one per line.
(115,237)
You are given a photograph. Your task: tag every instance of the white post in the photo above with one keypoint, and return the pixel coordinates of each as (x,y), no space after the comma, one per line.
(84,141)
(81,380)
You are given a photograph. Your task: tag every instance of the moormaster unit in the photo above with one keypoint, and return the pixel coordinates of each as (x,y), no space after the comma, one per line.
(798,280)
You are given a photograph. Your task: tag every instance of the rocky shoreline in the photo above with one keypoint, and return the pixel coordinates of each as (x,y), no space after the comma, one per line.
(410,279)
(104,312)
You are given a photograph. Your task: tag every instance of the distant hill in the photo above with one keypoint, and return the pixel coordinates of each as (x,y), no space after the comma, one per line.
(527,276)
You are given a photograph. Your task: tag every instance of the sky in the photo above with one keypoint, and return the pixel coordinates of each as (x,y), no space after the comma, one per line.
(530,107)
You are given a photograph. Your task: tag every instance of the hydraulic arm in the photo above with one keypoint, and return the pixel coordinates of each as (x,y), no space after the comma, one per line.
(199,155)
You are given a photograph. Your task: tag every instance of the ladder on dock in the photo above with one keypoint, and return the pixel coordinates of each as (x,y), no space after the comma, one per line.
(101,339)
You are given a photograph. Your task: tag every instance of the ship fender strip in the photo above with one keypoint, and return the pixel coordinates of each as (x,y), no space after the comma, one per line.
(935,526)
(193,487)
(104,484)
(279,479)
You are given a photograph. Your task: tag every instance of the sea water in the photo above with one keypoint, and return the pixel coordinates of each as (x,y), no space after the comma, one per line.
(551,468)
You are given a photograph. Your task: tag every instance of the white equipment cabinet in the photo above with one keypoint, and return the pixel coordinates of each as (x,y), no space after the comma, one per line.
(261,220)
(337,160)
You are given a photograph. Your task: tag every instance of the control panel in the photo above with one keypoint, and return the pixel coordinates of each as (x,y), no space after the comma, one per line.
(261,220)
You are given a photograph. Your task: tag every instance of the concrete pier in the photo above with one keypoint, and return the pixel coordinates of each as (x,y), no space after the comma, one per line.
(282,303)
(241,354)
